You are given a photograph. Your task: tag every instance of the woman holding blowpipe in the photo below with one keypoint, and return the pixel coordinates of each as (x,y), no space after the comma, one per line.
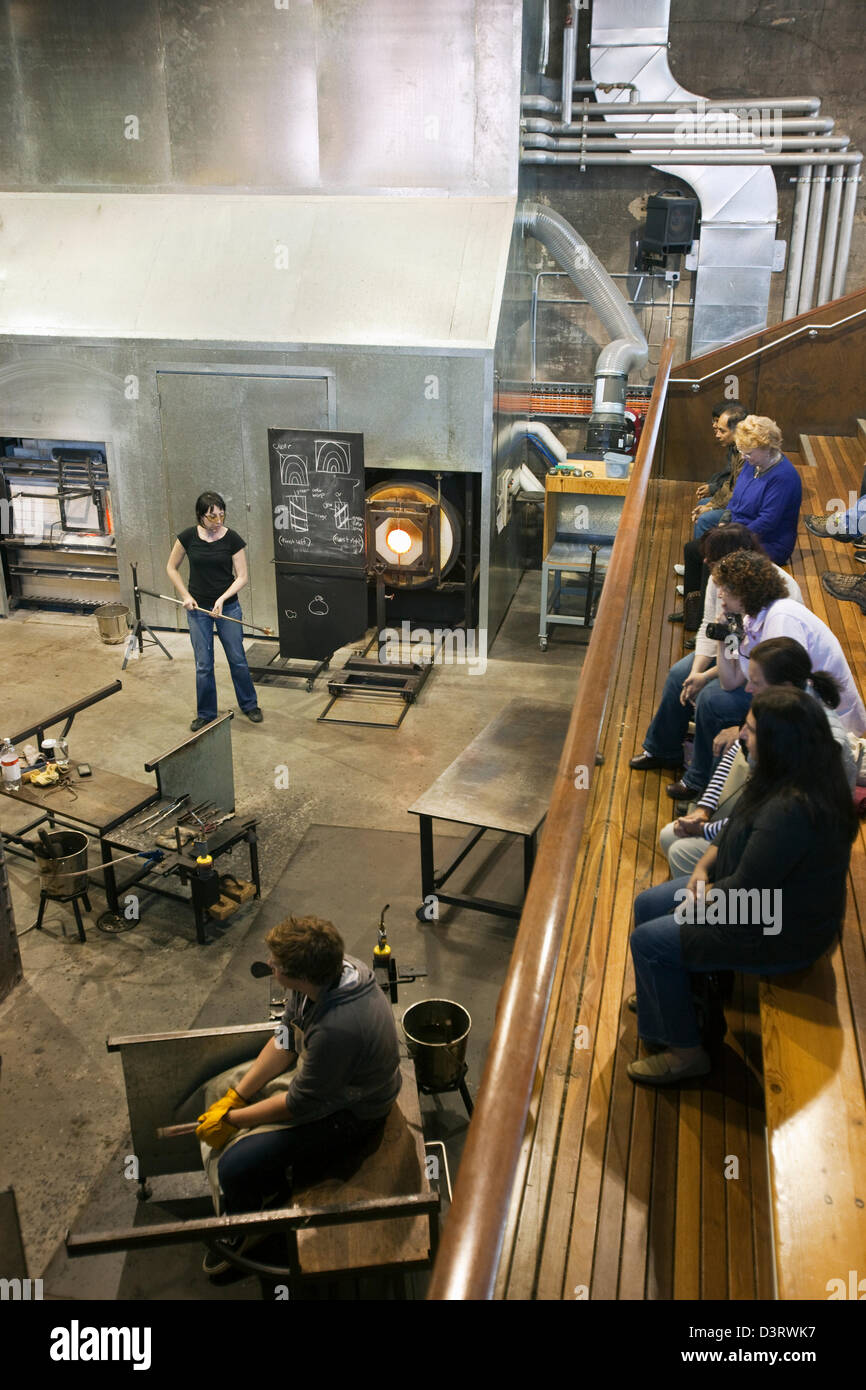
(217,572)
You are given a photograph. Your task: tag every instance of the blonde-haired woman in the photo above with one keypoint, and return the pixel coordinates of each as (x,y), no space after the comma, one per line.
(768,491)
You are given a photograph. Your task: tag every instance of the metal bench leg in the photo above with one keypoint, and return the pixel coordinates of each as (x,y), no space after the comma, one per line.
(78,922)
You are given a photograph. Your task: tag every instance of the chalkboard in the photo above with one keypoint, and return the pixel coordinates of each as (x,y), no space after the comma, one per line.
(319,612)
(317,489)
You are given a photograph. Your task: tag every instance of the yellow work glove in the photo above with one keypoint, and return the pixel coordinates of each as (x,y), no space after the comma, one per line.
(213,1128)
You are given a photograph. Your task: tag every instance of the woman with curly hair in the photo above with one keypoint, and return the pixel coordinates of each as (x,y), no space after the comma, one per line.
(750,588)
(693,684)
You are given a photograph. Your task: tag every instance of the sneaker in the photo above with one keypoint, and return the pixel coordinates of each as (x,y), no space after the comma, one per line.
(680,570)
(254,715)
(680,590)
(199,724)
(860,554)
(820,526)
(663,1070)
(846,587)
(215,1262)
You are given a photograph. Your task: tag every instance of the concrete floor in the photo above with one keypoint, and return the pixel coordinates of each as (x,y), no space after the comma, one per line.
(62,1088)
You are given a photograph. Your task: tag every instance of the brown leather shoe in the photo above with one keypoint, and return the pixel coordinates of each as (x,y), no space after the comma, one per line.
(680,792)
(645,762)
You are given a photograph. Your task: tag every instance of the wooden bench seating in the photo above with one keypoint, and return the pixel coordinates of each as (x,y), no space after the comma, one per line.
(625,1193)
(813,1023)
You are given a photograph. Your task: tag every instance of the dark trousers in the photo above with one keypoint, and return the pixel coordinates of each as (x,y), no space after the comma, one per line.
(696,576)
(263,1166)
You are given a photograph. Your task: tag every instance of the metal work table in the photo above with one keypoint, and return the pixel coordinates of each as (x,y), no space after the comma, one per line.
(101,802)
(501,781)
(219,842)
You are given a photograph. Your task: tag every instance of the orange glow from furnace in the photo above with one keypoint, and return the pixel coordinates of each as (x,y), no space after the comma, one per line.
(398,540)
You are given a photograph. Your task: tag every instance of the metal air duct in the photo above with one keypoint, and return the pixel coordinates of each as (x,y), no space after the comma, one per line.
(628,349)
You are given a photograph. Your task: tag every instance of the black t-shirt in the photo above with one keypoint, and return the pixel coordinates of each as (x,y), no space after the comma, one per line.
(210,564)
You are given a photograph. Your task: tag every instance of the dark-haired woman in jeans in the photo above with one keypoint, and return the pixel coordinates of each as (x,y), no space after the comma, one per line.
(217,572)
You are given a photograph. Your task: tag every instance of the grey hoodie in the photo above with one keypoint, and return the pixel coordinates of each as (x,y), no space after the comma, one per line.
(347,1047)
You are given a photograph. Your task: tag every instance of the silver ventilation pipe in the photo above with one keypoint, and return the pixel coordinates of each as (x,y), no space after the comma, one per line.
(544,54)
(680,156)
(846,225)
(534,141)
(831,233)
(569,49)
(813,237)
(627,351)
(789,125)
(797,242)
(650,108)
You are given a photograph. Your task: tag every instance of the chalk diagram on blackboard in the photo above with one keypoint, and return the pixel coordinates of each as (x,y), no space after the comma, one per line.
(290,614)
(293,470)
(298,520)
(333,456)
(317,606)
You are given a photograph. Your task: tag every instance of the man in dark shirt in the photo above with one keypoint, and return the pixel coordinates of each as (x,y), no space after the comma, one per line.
(217,571)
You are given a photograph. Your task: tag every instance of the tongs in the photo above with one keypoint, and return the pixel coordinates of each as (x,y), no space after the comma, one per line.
(150,821)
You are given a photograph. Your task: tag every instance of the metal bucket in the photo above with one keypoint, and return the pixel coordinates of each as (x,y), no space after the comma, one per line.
(71,848)
(437,1031)
(112,620)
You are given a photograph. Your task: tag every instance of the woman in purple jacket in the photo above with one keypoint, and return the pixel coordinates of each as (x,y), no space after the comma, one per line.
(768,491)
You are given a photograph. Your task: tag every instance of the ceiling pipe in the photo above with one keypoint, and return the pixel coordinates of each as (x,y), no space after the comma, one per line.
(831,233)
(627,351)
(569,48)
(679,156)
(788,125)
(640,142)
(813,237)
(811,105)
(797,242)
(846,225)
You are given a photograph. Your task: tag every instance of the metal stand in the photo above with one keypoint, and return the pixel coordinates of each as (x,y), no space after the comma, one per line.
(140,626)
(45,897)
(458,1085)
(281,668)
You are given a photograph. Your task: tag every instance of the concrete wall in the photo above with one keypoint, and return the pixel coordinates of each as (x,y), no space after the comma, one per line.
(723,49)
(177,418)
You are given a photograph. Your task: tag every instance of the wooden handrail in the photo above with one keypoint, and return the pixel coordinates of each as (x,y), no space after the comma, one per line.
(469,1255)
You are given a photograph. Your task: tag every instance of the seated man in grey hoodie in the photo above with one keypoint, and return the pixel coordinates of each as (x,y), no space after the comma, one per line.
(338,1034)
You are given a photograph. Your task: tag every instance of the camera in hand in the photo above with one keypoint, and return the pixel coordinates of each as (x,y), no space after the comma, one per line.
(731,627)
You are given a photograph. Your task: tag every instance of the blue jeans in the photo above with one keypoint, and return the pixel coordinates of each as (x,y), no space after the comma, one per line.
(706,521)
(714,710)
(262,1166)
(665,1007)
(201,630)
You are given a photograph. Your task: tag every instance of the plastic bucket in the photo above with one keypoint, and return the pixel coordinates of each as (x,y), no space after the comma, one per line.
(437,1031)
(70,848)
(112,620)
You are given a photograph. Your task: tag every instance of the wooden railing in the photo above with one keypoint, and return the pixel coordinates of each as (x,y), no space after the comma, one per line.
(805,373)
(468,1258)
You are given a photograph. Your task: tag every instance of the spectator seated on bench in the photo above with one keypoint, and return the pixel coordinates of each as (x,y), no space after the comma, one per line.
(777,875)
(692,688)
(780,661)
(338,1044)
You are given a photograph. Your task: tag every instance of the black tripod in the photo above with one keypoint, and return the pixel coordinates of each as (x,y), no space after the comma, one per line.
(140,626)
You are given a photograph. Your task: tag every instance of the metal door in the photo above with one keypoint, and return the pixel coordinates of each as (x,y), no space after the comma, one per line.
(215,437)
